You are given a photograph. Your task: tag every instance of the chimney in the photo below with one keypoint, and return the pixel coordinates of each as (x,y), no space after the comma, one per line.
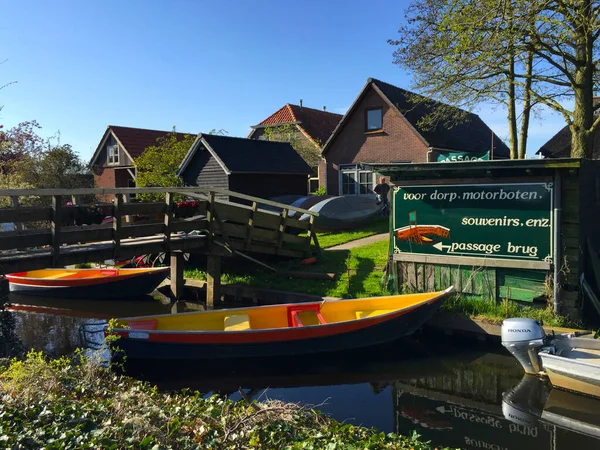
(300,103)
(324,108)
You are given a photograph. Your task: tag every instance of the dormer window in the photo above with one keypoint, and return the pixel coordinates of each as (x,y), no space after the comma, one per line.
(113,155)
(374,120)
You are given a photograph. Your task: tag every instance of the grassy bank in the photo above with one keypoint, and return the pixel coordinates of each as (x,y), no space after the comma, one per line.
(495,312)
(73,404)
(333,238)
(364,278)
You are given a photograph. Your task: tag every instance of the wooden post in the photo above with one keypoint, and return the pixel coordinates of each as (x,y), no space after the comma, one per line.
(15,201)
(210,216)
(177,280)
(55,228)
(282,221)
(168,219)
(127,199)
(213,280)
(117,225)
(313,234)
(250,224)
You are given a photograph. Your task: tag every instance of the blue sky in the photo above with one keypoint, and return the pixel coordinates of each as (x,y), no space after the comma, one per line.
(195,64)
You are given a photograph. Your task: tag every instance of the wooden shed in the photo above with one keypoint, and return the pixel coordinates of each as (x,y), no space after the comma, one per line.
(259,168)
(499,230)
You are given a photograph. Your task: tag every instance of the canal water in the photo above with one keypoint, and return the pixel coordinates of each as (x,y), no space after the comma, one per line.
(448,392)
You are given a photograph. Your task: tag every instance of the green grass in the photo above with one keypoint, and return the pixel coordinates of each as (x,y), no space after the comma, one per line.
(329,239)
(366,263)
(496,312)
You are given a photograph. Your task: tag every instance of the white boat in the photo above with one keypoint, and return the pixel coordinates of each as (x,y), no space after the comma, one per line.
(574,365)
(345,212)
(570,362)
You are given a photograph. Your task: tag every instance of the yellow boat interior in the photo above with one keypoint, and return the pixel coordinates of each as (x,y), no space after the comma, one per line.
(280,316)
(55,274)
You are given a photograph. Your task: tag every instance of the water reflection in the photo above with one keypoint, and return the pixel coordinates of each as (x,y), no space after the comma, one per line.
(451,395)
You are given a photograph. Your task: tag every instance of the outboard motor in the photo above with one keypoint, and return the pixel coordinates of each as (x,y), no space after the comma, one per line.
(524,338)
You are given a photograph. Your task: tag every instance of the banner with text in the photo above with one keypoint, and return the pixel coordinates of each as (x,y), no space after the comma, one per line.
(462,156)
(512,221)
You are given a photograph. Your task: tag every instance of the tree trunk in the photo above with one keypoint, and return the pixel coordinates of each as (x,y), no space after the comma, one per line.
(512,109)
(583,113)
(526,107)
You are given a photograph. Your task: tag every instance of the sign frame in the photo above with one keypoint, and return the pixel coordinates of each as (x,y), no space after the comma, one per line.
(485,260)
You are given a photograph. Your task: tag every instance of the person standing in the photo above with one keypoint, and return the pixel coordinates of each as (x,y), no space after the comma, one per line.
(382,190)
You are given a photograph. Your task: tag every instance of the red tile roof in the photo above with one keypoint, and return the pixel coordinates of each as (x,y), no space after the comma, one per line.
(316,123)
(136,140)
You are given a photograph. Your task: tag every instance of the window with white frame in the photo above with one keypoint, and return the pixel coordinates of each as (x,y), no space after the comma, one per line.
(113,155)
(355,181)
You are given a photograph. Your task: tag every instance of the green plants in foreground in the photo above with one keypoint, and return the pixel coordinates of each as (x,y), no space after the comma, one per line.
(74,403)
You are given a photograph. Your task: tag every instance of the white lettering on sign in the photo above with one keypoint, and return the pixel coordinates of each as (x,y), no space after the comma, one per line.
(469,416)
(523,429)
(473,195)
(530,250)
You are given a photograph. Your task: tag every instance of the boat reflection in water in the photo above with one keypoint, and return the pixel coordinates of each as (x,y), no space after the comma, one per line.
(534,402)
(486,405)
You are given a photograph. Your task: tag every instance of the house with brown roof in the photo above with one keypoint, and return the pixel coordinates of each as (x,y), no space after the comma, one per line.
(385,125)
(307,129)
(113,162)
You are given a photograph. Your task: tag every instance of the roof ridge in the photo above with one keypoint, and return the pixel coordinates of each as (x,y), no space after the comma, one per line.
(243,138)
(315,109)
(426,99)
(149,129)
(291,110)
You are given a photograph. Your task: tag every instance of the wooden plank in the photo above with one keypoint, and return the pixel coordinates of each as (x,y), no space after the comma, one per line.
(143,208)
(117,224)
(16,204)
(430,277)
(472,261)
(312,234)
(266,249)
(210,216)
(189,225)
(213,280)
(168,211)
(25,214)
(177,280)
(266,220)
(251,223)
(11,240)
(293,239)
(141,230)
(85,234)
(240,231)
(55,228)
(295,223)
(284,215)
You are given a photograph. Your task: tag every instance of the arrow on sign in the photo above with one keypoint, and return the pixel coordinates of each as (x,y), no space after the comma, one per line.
(440,246)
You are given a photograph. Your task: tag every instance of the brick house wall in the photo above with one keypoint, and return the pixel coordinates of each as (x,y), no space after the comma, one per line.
(111,177)
(396,142)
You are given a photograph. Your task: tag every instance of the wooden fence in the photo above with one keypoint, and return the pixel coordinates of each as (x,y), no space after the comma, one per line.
(46,236)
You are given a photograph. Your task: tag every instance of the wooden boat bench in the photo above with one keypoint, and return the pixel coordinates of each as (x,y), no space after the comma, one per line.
(237,322)
(294,311)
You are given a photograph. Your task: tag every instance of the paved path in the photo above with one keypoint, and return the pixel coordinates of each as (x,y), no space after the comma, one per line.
(360,242)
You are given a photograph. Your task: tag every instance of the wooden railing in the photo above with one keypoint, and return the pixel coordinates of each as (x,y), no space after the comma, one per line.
(47,236)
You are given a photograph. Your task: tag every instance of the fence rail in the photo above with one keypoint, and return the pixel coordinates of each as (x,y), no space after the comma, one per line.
(62,234)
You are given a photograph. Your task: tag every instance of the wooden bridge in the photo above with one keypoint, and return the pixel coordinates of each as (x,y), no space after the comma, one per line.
(47,236)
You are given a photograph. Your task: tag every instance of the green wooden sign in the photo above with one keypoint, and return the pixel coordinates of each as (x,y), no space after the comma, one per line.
(462,156)
(511,221)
